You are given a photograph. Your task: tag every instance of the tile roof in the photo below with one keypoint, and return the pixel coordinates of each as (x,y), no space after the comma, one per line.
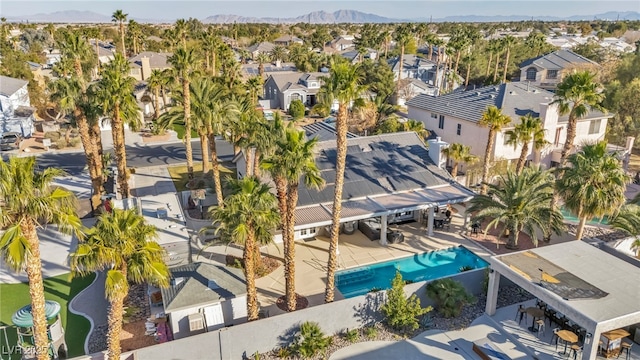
(265,47)
(558,60)
(323,131)
(9,85)
(514,99)
(411,62)
(194,289)
(376,165)
(156,60)
(288,38)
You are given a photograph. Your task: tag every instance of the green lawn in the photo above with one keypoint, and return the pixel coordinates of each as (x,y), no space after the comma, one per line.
(59,288)
(179,129)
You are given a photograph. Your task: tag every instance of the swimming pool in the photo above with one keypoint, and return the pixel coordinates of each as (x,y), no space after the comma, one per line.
(419,267)
(570,217)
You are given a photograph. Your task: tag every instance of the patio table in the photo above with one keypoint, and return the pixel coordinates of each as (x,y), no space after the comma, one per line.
(568,337)
(612,341)
(536,313)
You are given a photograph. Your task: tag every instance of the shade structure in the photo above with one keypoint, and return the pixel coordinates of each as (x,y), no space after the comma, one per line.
(24,318)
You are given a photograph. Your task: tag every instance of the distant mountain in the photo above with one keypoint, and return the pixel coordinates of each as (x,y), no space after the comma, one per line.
(316,17)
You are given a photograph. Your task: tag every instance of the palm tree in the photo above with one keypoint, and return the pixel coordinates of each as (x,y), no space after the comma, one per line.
(530,129)
(278,53)
(249,208)
(262,59)
(123,244)
(344,85)
(439,45)
(495,120)
(459,153)
(115,93)
(293,159)
(210,43)
(220,110)
(402,37)
(628,220)
(507,42)
(593,184)
(519,202)
(120,17)
(184,62)
(417,127)
(28,201)
(491,48)
(155,81)
(181,30)
(254,87)
(576,95)
(498,47)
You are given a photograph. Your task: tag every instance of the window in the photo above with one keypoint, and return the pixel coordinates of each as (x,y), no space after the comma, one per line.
(507,138)
(303,232)
(295,96)
(441,122)
(459,130)
(556,141)
(594,126)
(531,74)
(434,115)
(552,74)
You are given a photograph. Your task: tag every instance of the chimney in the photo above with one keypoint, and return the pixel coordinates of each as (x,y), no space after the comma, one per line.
(146,67)
(435,151)
(278,63)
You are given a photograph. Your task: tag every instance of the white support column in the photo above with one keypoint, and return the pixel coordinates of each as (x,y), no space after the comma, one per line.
(430,221)
(590,349)
(383,230)
(492,292)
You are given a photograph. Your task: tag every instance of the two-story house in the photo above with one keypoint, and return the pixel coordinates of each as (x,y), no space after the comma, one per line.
(16,113)
(282,88)
(546,71)
(341,43)
(144,63)
(454,117)
(286,40)
(416,67)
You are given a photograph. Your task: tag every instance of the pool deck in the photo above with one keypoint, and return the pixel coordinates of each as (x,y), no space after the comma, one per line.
(354,250)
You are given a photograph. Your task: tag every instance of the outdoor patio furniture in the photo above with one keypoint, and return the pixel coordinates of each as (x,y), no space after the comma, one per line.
(626,347)
(574,351)
(612,342)
(554,337)
(475,227)
(536,313)
(568,338)
(522,313)
(540,327)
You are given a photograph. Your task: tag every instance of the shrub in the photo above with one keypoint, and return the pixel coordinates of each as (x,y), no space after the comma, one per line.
(283,353)
(371,332)
(450,296)
(60,143)
(296,109)
(352,335)
(74,141)
(53,135)
(310,340)
(402,313)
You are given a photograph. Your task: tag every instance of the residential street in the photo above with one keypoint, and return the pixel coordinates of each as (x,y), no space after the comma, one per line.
(137,156)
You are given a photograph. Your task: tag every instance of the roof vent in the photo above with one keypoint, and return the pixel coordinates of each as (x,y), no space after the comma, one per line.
(535,91)
(478,93)
(493,96)
(497,88)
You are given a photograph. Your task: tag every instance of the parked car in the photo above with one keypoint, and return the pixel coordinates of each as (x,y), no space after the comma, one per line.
(10,141)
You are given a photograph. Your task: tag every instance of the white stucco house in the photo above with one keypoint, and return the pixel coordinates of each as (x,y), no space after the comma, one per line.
(454,117)
(16,113)
(547,71)
(204,297)
(282,88)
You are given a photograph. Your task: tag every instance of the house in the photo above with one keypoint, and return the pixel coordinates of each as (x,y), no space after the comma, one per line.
(286,40)
(388,178)
(144,63)
(410,88)
(106,51)
(52,56)
(204,297)
(16,113)
(282,88)
(342,43)
(354,56)
(455,116)
(546,71)
(323,131)
(253,69)
(416,67)
(264,47)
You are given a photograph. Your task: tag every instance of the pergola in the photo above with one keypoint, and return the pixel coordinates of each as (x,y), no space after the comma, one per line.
(596,290)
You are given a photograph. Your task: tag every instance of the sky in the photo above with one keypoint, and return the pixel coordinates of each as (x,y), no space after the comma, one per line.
(174,9)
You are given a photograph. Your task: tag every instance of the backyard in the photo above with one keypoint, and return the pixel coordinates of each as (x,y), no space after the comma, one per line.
(59,288)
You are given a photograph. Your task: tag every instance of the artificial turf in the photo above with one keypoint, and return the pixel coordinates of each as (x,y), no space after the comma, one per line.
(59,288)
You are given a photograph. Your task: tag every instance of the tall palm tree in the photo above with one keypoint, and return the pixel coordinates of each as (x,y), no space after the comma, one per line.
(459,153)
(120,17)
(254,88)
(114,91)
(576,95)
(249,208)
(498,47)
(507,42)
(495,120)
(343,85)
(181,30)
(210,43)
(529,130)
(278,53)
(628,220)
(593,184)
(123,244)
(294,158)
(155,81)
(28,201)
(519,202)
(185,67)
(438,43)
(402,36)
(262,59)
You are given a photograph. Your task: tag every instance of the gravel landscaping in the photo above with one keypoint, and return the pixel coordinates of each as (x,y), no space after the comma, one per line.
(507,296)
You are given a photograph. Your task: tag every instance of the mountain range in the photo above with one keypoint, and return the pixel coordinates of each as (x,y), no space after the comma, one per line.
(316,17)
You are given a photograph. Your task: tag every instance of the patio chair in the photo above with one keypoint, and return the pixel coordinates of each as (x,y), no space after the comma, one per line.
(446,223)
(555,337)
(521,314)
(574,351)
(540,326)
(625,346)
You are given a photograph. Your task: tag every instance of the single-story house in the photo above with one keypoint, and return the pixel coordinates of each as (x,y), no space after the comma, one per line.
(204,297)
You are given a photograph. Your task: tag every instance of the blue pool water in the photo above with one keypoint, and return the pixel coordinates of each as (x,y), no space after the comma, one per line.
(570,217)
(419,267)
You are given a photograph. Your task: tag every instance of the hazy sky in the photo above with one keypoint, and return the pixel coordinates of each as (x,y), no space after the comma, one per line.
(171,10)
